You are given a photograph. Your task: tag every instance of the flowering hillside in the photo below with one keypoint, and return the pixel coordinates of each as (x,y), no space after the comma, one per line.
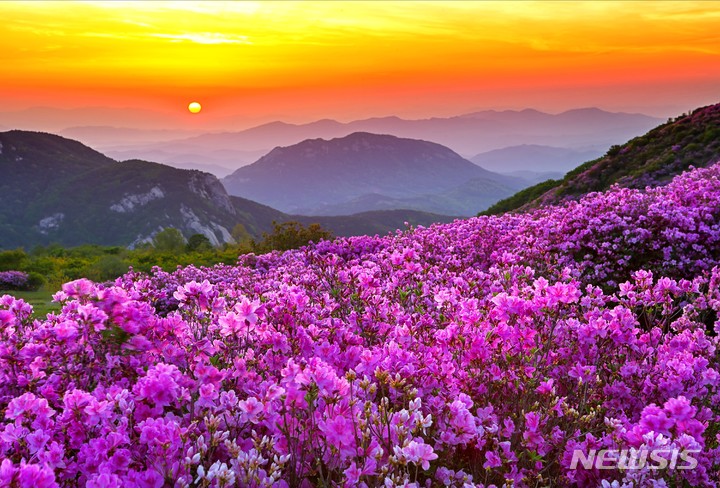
(649,160)
(486,352)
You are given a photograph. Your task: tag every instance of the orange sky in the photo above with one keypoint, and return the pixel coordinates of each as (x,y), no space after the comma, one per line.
(300,61)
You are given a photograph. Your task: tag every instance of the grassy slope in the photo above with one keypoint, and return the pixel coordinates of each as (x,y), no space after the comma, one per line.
(40,300)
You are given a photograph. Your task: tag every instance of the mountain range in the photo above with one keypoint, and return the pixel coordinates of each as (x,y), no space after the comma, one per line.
(531,160)
(364,172)
(54,119)
(692,139)
(58,190)
(588,129)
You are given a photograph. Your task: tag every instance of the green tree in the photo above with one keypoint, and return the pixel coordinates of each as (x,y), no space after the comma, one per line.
(35,281)
(169,240)
(199,243)
(106,268)
(291,235)
(240,234)
(14,259)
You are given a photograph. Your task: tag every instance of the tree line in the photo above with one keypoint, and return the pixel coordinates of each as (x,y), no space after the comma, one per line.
(52,265)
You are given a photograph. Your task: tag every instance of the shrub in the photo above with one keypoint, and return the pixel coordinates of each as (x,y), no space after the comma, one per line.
(13,280)
(35,281)
(291,235)
(105,268)
(12,259)
(169,240)
(198,242)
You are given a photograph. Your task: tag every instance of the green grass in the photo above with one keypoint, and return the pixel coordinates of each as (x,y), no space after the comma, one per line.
(40,300)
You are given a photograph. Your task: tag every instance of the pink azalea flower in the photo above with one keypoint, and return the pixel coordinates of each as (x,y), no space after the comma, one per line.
(492,460)
(419,453)
(252,408)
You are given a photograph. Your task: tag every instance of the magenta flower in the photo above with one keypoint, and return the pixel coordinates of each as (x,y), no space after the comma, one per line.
(7,472)
(252,408)
(532,421)
(338,432)
(354,473)
(105,480)
(680,409)
(199,293)
(79,288)
(492,460)
(654,419)
(34,476)
(208,395)
(419,453)
(232,324)
(247,310)
(159,386)
(546,387)
(7,318)
(66,330)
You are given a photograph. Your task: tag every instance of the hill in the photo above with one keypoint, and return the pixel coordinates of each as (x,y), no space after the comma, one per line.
(32,162)
(364,172)
(650,160)
(57,190)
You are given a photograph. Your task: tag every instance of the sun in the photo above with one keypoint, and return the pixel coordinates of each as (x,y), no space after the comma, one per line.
(194,107)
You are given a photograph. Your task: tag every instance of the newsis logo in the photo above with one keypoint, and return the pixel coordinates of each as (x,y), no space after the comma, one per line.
(631,459)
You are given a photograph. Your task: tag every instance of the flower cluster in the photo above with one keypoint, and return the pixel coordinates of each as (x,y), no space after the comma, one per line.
(13,280)
(474,354)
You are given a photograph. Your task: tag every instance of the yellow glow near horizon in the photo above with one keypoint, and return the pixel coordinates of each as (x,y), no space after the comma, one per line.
(194,107)
(357,56)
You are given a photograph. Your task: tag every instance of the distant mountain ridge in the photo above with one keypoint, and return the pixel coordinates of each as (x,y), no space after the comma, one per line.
(259,218)
(650,160)
(103,136)
(534,157)
(55,119)
(56,190)
(467,134)
(357,172)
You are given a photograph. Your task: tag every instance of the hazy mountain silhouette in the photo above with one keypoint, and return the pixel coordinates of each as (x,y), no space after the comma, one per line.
(467,134)
(109,136)
(219,162)
(52,119)
(535,158)
(364,171)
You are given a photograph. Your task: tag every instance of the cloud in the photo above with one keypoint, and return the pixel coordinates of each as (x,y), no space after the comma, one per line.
(205,38)
(198,7)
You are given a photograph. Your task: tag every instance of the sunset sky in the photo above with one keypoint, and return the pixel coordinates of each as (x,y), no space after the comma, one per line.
(298,61)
